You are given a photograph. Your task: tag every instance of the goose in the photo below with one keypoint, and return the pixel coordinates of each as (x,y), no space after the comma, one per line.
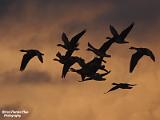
(121,85)
(140,52)
(98,76)
(73,43)
(90,68)
(120,38)
(67,62)
(102,50)
(93,65)
(29,54)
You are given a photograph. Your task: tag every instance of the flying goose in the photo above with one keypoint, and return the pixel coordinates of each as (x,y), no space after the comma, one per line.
(90,68)
(102,50)
(29,54)
(97,76)
(120,38)
(67,62)
(73,43)
(121,86)
(138,55)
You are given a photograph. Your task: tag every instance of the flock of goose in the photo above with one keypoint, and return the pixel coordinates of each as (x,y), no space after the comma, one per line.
(88,71)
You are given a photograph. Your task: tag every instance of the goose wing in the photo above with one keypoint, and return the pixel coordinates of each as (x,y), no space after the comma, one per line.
(91,46)
(134,60)
(67,66)
(125,32)
(113,31)
(151,55)
(113,88)
(106,45)
(26,58)
(65,38)
(75,39)
(40,58)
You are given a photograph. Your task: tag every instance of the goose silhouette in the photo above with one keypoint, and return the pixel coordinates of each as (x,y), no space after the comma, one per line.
(140,52)
(120,38)
(97,76)
(28,56)
(93,65)
(73,43)
(102,50)
(67,62)
(90,68)
(121,86)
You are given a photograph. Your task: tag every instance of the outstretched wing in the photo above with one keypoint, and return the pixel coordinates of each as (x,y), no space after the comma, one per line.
(134,60)
(113,31)
(112,89)
(125,32)
(75,39)
(65,39)
(91,46)
(26,58)
(67,66)
(151,55)
(40,58)
(106,45)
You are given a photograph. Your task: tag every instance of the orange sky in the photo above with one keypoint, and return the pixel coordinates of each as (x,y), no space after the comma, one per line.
(39,24)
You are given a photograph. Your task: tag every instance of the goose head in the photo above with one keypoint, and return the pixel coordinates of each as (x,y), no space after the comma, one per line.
(114,84)
(133,48)
(23,50)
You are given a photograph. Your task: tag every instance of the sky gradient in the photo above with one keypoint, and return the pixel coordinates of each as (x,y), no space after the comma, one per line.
(39,24)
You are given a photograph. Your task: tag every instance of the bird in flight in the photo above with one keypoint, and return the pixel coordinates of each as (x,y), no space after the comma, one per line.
(67,62)
(29,54)
(121,86)
(73,43)
(120,38)
(97,77)
(90,68)
(102,50)
(140,52)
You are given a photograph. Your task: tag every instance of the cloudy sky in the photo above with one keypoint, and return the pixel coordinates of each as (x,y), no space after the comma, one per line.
(38,24)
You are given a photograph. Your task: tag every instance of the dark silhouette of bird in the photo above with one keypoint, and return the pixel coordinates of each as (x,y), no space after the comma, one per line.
(28,56)
(97,76)
(102,50)
(81,72)
(93,65)
(90,68)
(121,86)
(73,43)
(67,62)
(120,38)
(140,52)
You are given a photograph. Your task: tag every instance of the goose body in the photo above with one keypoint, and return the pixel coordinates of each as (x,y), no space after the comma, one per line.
(120,38)
(29,54)
(140,52)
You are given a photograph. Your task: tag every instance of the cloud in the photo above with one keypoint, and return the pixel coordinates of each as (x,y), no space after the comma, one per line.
(26,77)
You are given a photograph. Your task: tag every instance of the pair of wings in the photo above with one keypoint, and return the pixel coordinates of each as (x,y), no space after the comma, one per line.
(124,33)
(74,40)
(26,58)
(104,47)
(137,56)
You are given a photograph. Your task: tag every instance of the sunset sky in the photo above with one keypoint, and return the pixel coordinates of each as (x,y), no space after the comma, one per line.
(39,24)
